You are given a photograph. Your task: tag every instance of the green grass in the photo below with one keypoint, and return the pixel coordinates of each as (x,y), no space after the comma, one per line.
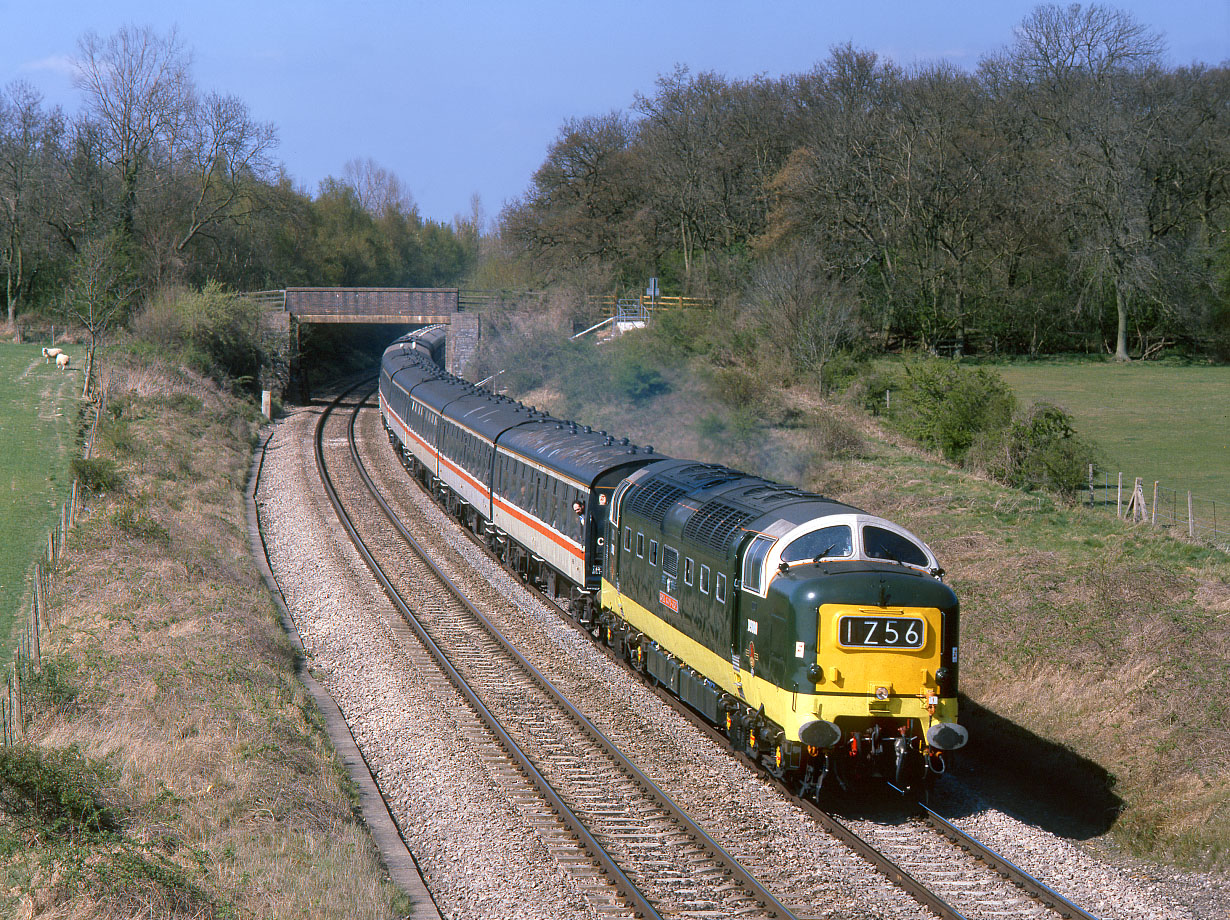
(38,412)
(1156,421)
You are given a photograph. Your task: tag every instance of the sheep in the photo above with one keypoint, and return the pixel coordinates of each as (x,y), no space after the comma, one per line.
(61,360)
(50,353)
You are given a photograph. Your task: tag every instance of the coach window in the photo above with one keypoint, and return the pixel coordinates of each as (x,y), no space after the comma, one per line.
(627,539)
(719,589)
(704,579)
(640,545)
(687,570)
(653,552)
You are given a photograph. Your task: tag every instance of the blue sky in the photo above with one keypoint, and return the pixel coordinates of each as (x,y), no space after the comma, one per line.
(463,98)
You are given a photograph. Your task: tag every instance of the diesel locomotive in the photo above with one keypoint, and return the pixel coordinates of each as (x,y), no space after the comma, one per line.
(820,638)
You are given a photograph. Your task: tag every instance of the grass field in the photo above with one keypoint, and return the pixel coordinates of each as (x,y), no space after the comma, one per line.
(1156,421)
(38,412)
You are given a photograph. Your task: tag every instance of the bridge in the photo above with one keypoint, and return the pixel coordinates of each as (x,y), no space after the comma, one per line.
(288,309)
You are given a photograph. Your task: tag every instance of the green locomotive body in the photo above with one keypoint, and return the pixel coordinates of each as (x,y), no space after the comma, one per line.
(815,634)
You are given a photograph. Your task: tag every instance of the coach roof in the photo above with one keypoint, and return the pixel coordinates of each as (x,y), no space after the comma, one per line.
(572,450)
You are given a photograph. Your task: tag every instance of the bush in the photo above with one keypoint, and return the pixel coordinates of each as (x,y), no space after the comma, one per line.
(1040,449)
(55,792)
(948,407)
(214,331)
(97,475)
(638,380)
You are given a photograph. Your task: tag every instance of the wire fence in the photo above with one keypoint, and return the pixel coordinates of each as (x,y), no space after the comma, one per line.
(42,615)
(1150,502)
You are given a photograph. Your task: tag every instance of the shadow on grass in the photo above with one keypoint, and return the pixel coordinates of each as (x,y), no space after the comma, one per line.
(1036,780)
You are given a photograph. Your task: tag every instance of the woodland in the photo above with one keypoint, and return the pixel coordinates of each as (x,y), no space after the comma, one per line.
(1067,194)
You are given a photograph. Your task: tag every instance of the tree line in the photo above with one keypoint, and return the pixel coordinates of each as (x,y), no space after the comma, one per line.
(1070,193)
(157,182)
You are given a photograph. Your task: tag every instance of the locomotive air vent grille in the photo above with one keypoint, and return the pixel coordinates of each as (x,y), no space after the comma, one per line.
(653,499)
(714,524)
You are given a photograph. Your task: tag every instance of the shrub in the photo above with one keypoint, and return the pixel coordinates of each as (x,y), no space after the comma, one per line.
(1039,449)
(97,475)
(638,380)
(834,438)
(215,332)
(947,407)
(55,792)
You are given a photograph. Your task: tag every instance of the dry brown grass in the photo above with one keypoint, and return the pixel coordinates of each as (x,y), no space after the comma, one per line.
(182,681)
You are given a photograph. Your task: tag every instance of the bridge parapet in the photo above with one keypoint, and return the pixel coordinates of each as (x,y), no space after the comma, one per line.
(371,305)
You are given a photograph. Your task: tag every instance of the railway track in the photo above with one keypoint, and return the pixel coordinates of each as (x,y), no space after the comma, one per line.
(909,854)
(590,802)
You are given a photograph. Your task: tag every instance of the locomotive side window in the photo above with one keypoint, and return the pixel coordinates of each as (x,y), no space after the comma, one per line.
(753,563)
(704,579)
(640,545)
(688,565)
(617,500)
(719,589)
(884,544)
(653,552)
(627,539)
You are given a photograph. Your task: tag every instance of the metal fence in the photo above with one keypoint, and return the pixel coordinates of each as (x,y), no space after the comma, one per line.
(1150,502)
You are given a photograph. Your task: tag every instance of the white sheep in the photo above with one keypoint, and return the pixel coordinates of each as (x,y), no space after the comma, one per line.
(50,353)
(61,360)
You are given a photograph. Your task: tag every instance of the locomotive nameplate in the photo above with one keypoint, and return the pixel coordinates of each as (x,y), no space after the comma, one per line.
(881,632)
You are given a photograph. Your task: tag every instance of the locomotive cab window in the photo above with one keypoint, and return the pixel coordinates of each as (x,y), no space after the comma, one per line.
(826,543)
(879,543)
(719,588)
(627,539)
(753,563)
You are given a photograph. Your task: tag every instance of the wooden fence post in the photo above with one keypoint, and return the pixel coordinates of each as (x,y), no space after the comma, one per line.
(1119,497)
(1191,525)
(1154,521)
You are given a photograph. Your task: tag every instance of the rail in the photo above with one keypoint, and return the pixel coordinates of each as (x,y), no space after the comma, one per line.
(624,885)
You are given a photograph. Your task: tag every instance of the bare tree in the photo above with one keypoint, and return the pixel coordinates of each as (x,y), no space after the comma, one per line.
(139,93)
(99,292)
(378,189)
(806,313)
(28,138)
(1086,66)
